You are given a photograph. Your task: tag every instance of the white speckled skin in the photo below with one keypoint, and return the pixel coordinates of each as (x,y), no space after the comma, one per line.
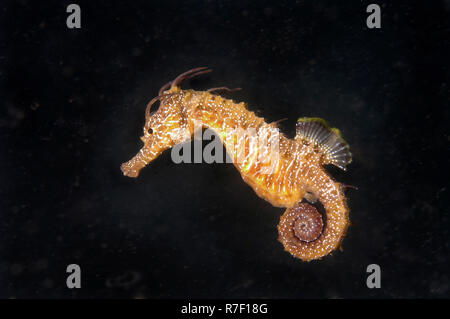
(298,173)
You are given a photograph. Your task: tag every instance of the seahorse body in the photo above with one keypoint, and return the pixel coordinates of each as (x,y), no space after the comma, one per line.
(283,178)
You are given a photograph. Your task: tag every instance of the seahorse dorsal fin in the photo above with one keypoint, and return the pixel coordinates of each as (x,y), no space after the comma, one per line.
(334,148)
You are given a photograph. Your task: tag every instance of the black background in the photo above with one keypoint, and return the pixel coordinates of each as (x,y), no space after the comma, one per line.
(73,109)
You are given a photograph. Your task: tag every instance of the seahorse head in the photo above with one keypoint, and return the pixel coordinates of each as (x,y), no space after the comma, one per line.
(169,125)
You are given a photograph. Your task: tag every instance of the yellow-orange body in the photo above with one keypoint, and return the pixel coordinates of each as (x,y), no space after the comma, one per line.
(297,170)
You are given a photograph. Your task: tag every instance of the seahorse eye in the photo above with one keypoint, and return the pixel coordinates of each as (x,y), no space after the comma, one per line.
(150,131)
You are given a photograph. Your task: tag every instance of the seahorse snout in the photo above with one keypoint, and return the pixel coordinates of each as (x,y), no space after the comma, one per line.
(128,170)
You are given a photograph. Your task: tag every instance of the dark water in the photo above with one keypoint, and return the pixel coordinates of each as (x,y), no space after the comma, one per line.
(73,109)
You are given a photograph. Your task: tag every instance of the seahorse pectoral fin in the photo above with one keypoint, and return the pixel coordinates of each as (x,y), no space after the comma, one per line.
(334,148)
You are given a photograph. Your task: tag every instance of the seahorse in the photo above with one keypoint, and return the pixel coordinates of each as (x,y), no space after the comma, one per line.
(297,173)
